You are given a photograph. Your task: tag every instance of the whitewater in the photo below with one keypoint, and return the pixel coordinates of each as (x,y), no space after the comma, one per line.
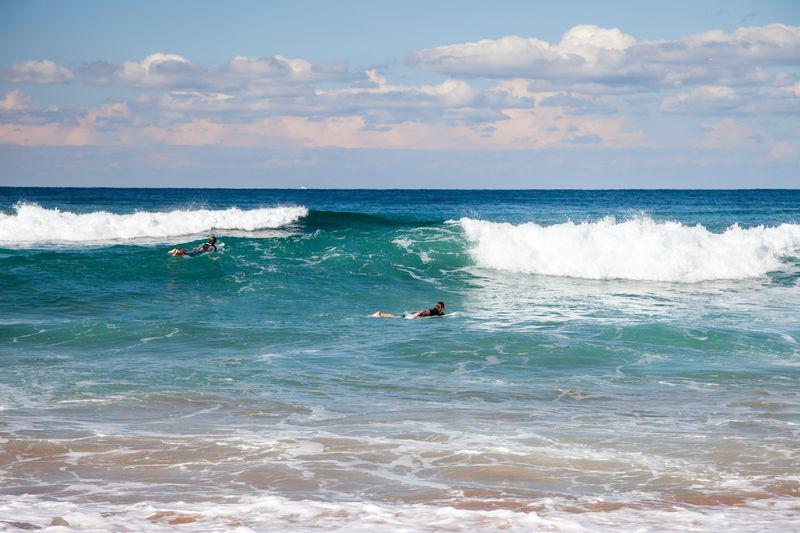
(31,223)
(609,360)
(636,249)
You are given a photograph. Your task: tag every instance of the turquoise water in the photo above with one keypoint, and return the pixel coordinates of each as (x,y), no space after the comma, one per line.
(608,359)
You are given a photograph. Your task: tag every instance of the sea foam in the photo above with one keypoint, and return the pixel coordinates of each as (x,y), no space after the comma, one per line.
(31,223)
(273,512)
(636,249)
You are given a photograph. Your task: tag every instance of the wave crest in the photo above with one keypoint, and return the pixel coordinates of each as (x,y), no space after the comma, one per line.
(31,223)
(636,249)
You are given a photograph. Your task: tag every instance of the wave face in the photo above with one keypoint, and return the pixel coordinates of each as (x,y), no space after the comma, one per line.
(30,223)
(636,249)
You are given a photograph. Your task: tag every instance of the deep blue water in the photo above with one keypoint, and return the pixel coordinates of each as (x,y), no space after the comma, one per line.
(715,209)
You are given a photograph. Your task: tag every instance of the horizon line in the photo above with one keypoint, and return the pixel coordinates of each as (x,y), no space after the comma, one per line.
(599,189)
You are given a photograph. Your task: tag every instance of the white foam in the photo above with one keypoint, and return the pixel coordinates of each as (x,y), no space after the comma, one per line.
(273,512)
(30,223)
(636,249)
(407,244)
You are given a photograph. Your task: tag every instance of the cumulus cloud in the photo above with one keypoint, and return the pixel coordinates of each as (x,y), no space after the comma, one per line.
(44,71)
(585,50)
(594,88)
(173,70)
(371,114)
(770,99)
(378,114)
(608,56)
(449,93)
(380,102)
(782,100)
(280,67)
(156,69)
(449,100)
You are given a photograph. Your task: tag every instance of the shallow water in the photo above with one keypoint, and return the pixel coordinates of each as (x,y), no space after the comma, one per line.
(609,359)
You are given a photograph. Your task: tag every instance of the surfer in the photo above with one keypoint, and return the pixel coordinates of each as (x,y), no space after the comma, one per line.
(206,247)
(437,310)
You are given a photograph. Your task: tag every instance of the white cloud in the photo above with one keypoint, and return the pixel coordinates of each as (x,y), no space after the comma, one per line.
(703,99)
(97,126)
(375,77)
(771,99)
(44,71)
(376,99)
(585,50)
(448,115)
(595,87)
(451,92)
(590,54)
(194,100)
(155,69)
(521,130)
(596,46)
(781,100)
(299,69)
(518,88)
(14,101)
(256,67)
(382,115)
(272,68)
(241,72)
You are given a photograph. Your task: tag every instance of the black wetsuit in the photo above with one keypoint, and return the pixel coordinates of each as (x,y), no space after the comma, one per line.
(203,248)
(431,312)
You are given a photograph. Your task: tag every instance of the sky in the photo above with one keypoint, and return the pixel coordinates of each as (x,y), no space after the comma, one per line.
(413,94)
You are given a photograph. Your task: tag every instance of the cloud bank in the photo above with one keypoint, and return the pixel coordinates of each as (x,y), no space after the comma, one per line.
(44,71)
(595,89)
(610,57)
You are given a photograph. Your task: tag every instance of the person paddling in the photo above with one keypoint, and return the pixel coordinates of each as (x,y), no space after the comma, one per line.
(206,247)
(437,310)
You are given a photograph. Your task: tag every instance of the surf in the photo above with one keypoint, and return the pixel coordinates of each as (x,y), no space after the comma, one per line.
(28,223)
(636,249)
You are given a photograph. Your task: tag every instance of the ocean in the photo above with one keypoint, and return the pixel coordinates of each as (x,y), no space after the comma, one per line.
(609,360)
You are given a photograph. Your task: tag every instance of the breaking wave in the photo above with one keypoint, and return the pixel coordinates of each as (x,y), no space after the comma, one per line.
(636,249)
(31,223)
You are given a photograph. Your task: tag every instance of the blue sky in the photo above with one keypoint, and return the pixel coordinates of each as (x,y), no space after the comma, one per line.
(411,94)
